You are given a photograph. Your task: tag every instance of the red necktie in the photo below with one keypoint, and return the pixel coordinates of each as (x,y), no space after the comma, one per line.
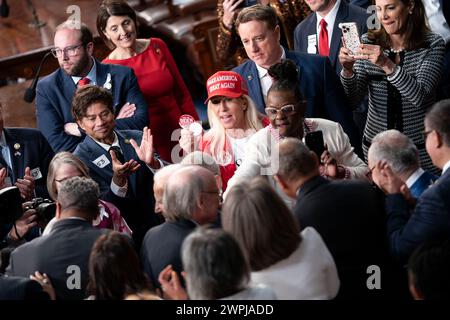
(324,50)
(83,82)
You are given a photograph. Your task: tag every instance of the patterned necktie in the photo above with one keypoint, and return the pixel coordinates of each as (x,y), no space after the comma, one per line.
(83,81)
(324,50)
(119,154)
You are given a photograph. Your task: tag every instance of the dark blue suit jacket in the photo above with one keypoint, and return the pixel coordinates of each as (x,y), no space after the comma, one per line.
(361,3)
(54,101)
(162,246)
(68,244)
(319,85)
(429,220)
(33,151)
(138,206)
(346,13)
(422,184)
(28,148)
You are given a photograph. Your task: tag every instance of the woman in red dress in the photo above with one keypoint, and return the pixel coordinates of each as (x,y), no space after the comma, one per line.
(160,81)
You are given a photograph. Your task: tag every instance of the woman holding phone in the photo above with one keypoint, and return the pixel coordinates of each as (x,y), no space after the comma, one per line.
(400,66)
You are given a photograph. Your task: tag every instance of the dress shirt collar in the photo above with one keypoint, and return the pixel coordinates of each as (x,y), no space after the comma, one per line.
(330,18)
(262,72)
(446,167)
(107,146)
(3,139)
(92,75)
(414,177)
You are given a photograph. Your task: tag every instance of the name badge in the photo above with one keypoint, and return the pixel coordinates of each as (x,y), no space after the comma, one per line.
(312,44)
(36,173)
(101,161)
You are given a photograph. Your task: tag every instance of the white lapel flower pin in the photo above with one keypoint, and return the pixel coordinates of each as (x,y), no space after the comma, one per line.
(107,85)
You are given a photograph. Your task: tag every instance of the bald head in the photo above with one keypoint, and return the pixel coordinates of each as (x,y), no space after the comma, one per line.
(191,193)
(296,160)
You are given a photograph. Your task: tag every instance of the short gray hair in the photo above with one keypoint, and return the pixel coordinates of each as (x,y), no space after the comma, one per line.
(162,175)
(396,149)
(202,159)
(182,192)
(80,193)
(214,263)
(296,160)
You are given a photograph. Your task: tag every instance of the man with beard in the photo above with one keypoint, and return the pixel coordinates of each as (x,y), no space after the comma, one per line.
(74,48)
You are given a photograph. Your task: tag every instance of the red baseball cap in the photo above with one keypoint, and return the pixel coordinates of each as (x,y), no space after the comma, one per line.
(226,83)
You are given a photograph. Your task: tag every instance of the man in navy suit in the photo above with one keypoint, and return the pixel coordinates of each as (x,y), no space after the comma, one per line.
(74,49)
(122,168)
(334,12)
(24,159)
(401,154)
(260,35)
(431,216)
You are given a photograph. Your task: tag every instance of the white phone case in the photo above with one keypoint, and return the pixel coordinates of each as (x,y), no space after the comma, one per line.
(351,36)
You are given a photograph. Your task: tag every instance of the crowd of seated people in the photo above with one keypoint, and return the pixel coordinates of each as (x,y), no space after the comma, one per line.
(274,200)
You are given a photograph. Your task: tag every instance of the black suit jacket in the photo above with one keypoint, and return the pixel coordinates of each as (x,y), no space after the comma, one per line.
(63,255)
(18,288)
(162,246)
(350,218)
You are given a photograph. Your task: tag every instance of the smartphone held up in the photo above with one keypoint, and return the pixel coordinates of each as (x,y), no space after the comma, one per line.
(350,37)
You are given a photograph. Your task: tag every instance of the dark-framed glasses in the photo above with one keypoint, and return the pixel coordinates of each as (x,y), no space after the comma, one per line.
(426,133)
(286,110)
(70,51)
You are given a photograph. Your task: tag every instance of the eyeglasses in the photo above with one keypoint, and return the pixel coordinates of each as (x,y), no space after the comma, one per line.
(287,110)
(369,173)
(426,133)
(70,51)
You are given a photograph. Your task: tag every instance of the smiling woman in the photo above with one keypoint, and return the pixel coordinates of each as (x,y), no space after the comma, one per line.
(400,65)
(233,119)
(160,81)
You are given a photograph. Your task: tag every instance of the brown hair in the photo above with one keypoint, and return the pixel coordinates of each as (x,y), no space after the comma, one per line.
(438,118)
(114,268)
(110,8)
(88,95)
(258,13)
(416,29)
(261,222)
